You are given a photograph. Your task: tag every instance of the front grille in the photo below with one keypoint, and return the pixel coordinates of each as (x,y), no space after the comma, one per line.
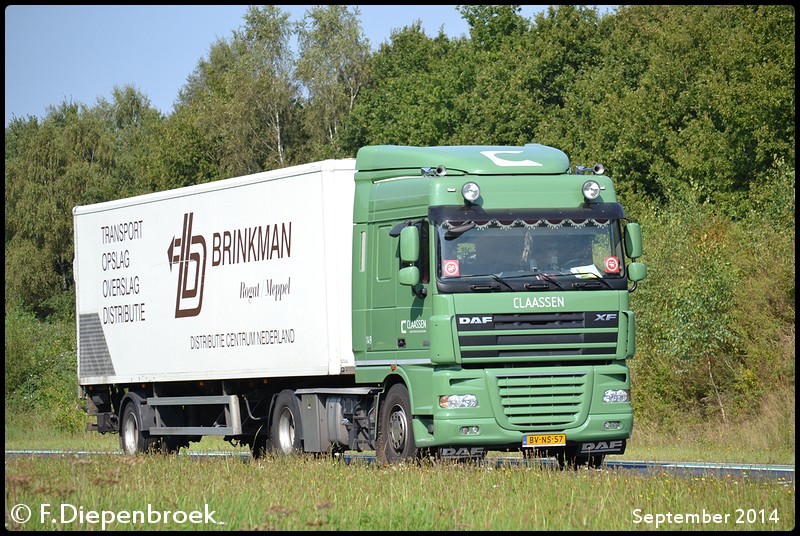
(510,337)
(543,401)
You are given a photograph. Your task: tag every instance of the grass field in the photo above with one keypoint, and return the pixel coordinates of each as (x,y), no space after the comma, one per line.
(116,492)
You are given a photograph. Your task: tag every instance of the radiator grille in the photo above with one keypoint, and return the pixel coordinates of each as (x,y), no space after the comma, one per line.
(547,400)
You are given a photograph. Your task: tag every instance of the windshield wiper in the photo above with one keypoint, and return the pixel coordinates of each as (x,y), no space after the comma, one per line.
(489,287)
(596,281)
(549,278)
(455,232)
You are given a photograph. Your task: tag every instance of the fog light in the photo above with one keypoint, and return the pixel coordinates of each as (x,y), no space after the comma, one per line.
(616,395)
(612,425)
(470,430)
(458,401)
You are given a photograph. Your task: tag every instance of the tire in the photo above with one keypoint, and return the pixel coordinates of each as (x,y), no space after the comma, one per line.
(132,440)
(285,431)
(395,430)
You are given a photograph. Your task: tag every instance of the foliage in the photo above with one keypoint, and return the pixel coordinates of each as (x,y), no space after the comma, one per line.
(40,367)
(695,98)
(333,68)
(690,108)
(238,104)
(715,317)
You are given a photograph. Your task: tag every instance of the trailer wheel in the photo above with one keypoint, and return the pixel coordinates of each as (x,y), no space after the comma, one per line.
(285,430)
(395,434)
(132,440)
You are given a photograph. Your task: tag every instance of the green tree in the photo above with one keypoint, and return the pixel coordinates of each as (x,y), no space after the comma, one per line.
(332,67)
(135,126)
(686,100)
(491,25)
(236,111)
(526,74)
(413,91)
(52,166)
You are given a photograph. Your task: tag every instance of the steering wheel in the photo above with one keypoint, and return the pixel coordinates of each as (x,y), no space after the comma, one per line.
(574,263)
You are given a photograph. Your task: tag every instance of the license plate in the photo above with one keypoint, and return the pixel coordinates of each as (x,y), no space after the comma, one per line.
(544,440)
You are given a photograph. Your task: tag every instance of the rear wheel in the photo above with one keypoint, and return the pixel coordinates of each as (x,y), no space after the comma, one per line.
(132,440)
(285,430)
(395,433)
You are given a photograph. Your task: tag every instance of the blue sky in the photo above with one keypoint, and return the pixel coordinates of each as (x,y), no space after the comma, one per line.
(79,53)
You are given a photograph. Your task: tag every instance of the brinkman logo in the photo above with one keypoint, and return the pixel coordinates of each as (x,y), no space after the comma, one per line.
(235,246)
(191,261)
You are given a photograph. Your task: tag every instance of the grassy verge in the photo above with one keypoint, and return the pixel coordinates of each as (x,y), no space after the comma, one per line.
(306,493)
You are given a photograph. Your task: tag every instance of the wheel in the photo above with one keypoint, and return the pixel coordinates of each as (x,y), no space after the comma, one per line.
(395,433)
(284,433)
(132,440)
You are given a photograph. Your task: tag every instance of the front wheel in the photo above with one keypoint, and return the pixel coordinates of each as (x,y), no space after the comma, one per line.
(395,433)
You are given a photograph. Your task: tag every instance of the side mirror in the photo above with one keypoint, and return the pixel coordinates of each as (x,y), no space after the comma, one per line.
(409,276)
(633,240)
(637,271)
(409,244)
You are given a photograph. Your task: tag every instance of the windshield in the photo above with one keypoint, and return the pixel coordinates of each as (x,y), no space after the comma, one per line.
(513,254)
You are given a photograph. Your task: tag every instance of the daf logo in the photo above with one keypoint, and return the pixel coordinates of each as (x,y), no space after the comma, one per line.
(605,317)
(475,320)
(461,452)
(602,446)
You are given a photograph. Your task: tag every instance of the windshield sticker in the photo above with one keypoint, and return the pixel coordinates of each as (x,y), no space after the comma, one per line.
(450,268)
(612,265)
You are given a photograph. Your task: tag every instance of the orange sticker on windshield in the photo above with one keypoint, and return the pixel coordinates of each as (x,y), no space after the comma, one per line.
(612,265)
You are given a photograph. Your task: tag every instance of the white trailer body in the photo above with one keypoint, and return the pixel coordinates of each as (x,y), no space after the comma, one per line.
(241,278)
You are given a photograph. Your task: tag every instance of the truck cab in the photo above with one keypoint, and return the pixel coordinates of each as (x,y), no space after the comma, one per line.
(491,302)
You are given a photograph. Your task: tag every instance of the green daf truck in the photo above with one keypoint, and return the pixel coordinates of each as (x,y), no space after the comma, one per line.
(415,301)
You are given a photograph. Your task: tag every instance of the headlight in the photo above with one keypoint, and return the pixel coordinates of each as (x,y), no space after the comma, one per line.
(458,401)
(617,395)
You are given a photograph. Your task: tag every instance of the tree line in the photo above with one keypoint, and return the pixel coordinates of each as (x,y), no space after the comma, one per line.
(689,108)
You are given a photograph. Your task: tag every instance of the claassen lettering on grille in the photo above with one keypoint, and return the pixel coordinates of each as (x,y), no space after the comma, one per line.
(540,302)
